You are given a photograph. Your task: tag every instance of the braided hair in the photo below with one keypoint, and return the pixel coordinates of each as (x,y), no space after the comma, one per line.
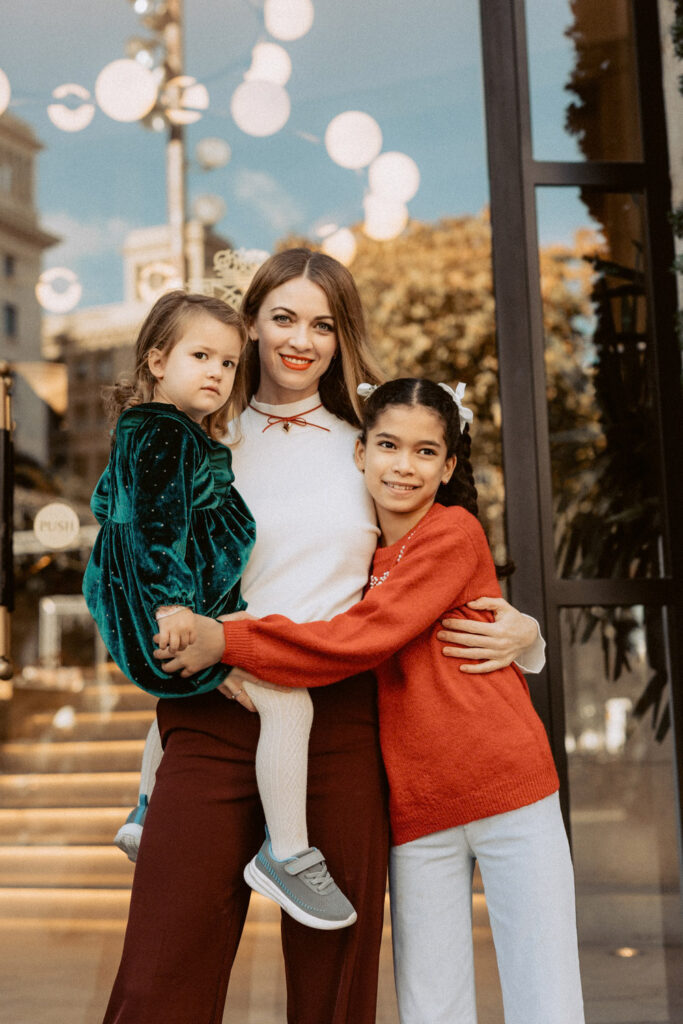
(411,391)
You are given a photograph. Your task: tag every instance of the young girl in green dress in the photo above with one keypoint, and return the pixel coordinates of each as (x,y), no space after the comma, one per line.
(175,534)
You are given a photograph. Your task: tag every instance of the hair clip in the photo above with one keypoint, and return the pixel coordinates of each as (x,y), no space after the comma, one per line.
(464,414)
(365,390)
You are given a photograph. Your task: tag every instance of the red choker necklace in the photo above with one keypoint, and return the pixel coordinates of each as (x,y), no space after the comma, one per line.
(287,421)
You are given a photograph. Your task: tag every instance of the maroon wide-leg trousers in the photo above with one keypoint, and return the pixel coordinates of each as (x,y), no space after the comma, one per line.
(204,823)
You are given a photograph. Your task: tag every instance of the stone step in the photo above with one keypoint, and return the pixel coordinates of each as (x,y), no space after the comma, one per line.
(59,904)
(102,789)
(86,756)
(69,724)
(60,826)
(118,697)
(91,867)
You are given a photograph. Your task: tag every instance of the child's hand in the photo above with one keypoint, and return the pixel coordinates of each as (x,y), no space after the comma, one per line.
(204,651)
(176,629)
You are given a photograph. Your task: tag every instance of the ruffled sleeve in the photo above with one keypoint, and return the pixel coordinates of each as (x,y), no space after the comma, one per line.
(164,456)
(99,503)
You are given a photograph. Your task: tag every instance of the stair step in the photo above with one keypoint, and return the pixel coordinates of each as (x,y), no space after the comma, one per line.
(103,789)
(64,904)
(77,867)
(86,756)
(119,697)
(86,725)
(63,826)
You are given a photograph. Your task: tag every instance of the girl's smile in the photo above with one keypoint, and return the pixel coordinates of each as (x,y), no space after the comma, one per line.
(404,461)
(296,341)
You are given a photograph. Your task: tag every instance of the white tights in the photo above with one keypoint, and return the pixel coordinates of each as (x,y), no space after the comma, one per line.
(281,763)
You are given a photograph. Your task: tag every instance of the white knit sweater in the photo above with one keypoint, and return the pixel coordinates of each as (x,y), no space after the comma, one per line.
(316,530)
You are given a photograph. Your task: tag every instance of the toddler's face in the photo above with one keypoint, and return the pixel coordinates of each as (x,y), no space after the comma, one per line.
(198,373)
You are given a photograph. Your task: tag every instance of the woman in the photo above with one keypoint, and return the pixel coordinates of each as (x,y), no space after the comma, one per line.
(316,534)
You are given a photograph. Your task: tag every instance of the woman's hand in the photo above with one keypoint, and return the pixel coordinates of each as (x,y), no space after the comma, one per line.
(492,644)
(232,686)
(206,650)
(176,628)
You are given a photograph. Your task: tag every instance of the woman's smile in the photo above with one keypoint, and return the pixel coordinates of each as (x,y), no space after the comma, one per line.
(295,362)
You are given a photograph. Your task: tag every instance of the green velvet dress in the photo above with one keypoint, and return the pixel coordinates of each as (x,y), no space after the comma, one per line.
(173,531)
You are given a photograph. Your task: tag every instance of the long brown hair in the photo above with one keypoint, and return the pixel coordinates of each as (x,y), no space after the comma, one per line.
(353,362)
(162,329)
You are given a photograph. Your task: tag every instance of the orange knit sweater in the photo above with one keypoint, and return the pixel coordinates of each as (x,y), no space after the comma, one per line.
(457,747)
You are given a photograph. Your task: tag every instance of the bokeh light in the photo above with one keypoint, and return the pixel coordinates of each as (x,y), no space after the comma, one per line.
(125,90)
(341,244)
(5,92)
(184,99)
(212,153)
(260,108)
(384,218)
(353,139)
(208,209)
(395,176)
(58,290)
(288,19)
(269,63)
(71,119)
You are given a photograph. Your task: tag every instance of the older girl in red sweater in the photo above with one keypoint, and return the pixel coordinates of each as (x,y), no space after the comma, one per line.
(470,769)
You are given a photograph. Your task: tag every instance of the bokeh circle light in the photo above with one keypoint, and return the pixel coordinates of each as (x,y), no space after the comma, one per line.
(208,209)
(71,119)
(384,218)
(395,176)
(58,290)
(341,244)
(5,92)
(353,139)
(212,153)
(269,63)
(184,99)
(288,19)
(125,90)
(260,108)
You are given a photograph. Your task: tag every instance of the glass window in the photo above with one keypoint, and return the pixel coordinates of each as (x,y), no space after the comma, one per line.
(599,380)
(582,80)
(416,235)
(621,785)
(11,320)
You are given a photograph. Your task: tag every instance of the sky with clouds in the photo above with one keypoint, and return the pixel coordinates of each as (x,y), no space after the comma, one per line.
(414,65)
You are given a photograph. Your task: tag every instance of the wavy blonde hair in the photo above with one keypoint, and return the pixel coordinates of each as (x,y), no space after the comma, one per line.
(354,361)
(162,329)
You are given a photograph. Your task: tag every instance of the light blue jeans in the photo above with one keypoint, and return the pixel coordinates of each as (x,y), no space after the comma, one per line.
(525,864)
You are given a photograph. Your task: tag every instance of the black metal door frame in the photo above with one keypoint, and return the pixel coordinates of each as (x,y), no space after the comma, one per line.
(514,176)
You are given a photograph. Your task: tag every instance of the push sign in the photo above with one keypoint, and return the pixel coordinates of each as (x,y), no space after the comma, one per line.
(56,526)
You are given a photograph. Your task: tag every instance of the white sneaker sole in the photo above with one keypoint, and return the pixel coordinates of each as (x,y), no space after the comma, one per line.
(263,885)
(128,839)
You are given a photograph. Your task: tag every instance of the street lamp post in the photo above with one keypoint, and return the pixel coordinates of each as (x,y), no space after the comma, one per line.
(164,18)
(175,146)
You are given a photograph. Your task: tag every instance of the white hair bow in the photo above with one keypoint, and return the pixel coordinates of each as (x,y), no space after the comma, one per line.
(465,415)
(365,390)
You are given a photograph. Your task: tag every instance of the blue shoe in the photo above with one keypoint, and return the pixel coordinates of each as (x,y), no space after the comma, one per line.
(302,886)
(129,835)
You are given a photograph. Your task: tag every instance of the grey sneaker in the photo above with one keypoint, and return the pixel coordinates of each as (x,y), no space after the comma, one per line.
(302,886)
(129,835)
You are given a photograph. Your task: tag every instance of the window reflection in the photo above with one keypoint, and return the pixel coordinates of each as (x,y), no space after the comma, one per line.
(582,80)
(620,751)
(599,378)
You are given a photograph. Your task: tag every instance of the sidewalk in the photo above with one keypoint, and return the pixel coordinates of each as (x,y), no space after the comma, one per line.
(62,971)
